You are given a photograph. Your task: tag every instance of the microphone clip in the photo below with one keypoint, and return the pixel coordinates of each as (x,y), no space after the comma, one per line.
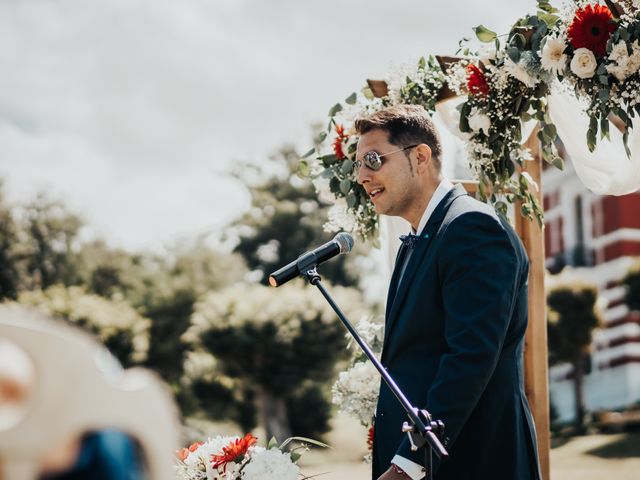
(307,265)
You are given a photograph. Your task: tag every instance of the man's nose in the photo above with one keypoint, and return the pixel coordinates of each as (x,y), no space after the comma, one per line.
(363,174)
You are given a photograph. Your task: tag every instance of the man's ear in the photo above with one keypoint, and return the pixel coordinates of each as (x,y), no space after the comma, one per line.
(423,156)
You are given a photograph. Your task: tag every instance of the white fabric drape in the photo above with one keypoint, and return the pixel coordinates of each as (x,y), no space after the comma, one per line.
(607,170)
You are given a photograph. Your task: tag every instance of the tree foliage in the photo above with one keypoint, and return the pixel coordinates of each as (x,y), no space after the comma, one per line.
(572,317)
(631,281)
(50,237)
(115,323)
(274,341)
(9,272)
(285,219)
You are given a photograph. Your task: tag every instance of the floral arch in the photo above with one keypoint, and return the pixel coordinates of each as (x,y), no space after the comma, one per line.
(572,72)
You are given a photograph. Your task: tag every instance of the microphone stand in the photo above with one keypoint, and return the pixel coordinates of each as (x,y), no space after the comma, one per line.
(421,429)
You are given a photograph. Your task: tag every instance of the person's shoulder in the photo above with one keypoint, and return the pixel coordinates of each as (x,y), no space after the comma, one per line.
(469,216)
(467,208)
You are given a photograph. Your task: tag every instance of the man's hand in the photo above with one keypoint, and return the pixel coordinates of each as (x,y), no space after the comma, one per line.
(392,474)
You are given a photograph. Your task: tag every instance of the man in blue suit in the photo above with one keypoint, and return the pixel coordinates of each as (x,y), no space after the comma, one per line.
(456,312)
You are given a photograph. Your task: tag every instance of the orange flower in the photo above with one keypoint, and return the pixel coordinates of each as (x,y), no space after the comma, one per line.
(234,452)
(476,81)
(183,453)
(337,143)
(591,28)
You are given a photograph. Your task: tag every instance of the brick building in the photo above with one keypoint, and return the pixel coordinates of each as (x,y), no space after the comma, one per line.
(595,238)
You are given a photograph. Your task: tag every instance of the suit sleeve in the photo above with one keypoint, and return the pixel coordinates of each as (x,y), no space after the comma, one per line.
(478,270)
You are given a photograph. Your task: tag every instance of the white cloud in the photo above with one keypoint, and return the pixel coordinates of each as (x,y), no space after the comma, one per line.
(113,103)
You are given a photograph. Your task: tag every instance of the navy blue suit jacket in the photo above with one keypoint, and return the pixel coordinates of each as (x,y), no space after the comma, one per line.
(454,338)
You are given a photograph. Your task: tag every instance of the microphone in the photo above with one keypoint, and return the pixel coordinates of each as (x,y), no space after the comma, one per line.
(341,243)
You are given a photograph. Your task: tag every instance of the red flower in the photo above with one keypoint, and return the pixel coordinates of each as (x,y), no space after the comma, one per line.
(183,453)
(234,452)
(370,438)
(591,28)
(339,141)
(476,81)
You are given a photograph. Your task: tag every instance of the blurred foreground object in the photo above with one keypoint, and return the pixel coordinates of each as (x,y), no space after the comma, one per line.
(63,397)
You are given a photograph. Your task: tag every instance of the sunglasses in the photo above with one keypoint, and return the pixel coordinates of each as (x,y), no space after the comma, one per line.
(373,160)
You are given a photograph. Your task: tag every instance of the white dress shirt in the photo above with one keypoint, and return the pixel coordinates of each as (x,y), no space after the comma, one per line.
(415,470)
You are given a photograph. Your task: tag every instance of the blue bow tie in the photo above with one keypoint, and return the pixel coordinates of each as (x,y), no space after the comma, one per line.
(410,240)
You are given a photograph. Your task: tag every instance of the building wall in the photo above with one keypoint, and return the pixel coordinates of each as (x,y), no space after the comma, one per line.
(594,239)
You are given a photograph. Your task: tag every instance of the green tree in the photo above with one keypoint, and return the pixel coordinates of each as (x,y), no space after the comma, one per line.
(113,321)
(164,289)
(631,281)
(285,219)
(572,317)
(9,270)
(50,236)
(276,343)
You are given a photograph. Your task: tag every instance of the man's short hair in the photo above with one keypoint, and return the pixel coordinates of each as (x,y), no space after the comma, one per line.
(406,125)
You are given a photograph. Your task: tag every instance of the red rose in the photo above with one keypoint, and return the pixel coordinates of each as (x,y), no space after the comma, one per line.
(476,81)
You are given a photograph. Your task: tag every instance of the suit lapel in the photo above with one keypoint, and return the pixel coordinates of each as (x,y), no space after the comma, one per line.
(393,284)
(426,237)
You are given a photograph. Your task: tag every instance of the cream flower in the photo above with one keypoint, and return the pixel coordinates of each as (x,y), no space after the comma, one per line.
(622,64)
(518,71)
(271,464)
(479,121)
(553,58)
(583,63)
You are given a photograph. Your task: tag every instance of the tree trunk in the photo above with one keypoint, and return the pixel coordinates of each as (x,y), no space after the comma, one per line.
(273,415)
(578,384)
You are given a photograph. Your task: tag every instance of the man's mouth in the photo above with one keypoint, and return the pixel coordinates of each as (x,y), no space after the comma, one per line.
(375,193)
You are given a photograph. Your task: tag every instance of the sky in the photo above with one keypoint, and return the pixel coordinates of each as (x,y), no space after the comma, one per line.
(133,111)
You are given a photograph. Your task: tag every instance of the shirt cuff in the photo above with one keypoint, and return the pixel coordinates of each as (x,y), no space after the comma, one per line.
(414,470)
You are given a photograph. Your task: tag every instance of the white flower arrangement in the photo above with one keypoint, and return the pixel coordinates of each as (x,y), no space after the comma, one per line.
(270,464)
(236,458)
(356,391)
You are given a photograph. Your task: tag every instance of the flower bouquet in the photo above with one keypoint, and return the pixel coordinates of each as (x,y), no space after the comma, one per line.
(235,458)
(598,51)
(505,86)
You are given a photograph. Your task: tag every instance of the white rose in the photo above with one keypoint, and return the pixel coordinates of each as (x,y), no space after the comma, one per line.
(583,63)
(479,121)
